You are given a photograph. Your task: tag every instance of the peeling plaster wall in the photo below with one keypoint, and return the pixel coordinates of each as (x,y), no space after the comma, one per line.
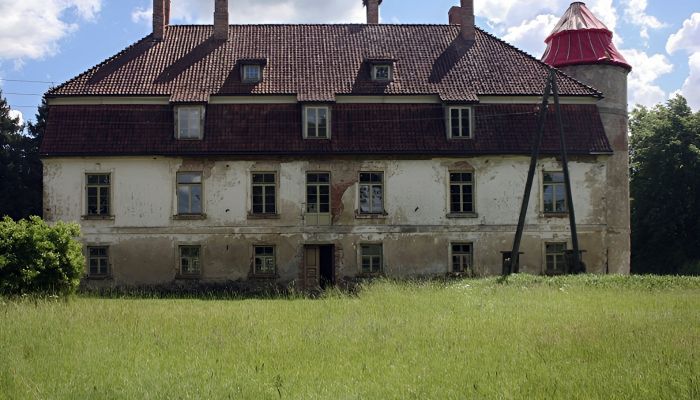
(416,231)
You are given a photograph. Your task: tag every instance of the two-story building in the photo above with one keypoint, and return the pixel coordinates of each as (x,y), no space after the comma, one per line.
(310,153)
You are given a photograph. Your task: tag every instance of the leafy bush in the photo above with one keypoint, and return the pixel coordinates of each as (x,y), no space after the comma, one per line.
(38,258)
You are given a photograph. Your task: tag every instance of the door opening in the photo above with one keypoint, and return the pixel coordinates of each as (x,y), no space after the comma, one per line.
(327,266)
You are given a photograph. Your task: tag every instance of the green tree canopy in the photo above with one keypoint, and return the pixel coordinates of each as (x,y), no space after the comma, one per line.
(665,188)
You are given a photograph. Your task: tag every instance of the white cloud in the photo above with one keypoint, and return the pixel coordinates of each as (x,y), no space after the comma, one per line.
(692,83)
(635,13)
(17,114)
(687,38)
(31,29)
(529,35)
(646,70)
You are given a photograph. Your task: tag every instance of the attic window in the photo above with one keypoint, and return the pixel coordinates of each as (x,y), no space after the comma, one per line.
(252,73)
(189,122)
(381,72)
(459,122)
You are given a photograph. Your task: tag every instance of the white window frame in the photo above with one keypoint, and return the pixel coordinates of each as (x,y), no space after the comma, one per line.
(375,68)
(318,217)
(263,260)
(264,186)
(450,212)
(371,185)
(361,256)
(305,119)
(251,67)
(543,195)
(110,198)
(180,272)
(189,185)
(179,111)
(448,123)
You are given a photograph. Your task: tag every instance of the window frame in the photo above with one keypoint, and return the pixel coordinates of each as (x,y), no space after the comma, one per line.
(375,68)
(110,203)
(547,254)
(543,197)
(202,115)
(470,269)
(274,185)
(361,257)
(448,122)
(317,215)
(371,185)
(456,214)
(247,67)
(189,184)
(189,275)
(264,274)
(305,120)
(89,257)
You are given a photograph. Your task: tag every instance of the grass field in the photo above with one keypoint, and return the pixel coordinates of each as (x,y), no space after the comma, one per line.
(581,337)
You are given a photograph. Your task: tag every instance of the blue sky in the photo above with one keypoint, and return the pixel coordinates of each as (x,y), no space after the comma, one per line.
(46,41)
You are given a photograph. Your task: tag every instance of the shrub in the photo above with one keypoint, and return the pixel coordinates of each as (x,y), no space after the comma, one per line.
(38,258)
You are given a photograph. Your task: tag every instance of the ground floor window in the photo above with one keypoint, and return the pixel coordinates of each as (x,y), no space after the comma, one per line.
(264,260)
(190,260)
(555,258)
(371,258)
(98,261)
(462,257)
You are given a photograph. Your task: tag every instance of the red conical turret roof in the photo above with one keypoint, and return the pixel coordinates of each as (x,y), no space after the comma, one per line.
(581,38)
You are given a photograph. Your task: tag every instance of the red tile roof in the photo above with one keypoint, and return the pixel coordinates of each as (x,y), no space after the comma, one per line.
(267,129)
(316,62)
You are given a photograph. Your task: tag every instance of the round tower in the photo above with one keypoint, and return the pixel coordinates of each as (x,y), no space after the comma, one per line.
(581,46)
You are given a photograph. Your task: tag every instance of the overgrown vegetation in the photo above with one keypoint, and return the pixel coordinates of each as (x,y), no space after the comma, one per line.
(665,188)
(39,259)
(581,337)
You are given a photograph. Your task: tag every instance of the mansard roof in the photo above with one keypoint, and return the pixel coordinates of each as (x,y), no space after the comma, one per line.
(318,62)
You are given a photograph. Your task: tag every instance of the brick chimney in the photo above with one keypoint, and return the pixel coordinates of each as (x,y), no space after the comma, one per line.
(464,17)
(161,18)
(372,10)
(221,19)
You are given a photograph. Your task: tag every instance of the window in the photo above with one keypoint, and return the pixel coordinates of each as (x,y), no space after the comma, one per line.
(461,192)
(317,122)
(371,258)
(318,198)
(98,261)
(264,193)
(462,257)
(554,199)
(252,73)
(264,260)
(189,260)
(459,122)
(189,193)
(555,257)
(98,194)
(189,122)
(381,72)
(371,193)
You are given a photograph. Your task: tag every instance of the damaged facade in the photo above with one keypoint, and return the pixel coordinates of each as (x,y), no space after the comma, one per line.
(314,153)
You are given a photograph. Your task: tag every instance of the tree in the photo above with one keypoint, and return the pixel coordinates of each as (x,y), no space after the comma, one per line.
(20,166)
(665,188)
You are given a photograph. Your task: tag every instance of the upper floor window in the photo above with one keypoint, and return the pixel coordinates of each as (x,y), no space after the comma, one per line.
(381,72)
(459,122)
(371,192)
(98,261)
(264,193)
(553,193)
(98,193)
(189,122)
(318,198)
(252,73)
(317,122)
(461,192)
(189,193)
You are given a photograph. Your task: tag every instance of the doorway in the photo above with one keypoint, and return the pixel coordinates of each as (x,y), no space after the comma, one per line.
(319,268)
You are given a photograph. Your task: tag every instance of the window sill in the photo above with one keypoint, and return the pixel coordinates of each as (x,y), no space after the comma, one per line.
(191,277)
(371,274)
(98,277)
(316,138)
(199,139)
(360,215)
(555,215)
(189,217)
(462,215)
(461,137)
(263,216)
(263,277)
(98,217)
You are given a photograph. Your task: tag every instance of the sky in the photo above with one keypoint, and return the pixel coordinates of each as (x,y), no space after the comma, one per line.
(46,42)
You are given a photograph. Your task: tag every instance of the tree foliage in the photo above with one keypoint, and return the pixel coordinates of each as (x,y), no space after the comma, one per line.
(665,188)
(38,258)
(20,166)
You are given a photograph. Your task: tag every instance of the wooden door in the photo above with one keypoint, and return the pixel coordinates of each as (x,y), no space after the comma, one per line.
(312,265)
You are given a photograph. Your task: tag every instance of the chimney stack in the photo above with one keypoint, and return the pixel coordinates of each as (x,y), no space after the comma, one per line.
(464,17)
(161,18)
(372,10)
(221,19)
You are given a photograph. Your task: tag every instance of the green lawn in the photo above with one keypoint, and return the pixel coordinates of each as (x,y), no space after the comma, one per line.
(570,338)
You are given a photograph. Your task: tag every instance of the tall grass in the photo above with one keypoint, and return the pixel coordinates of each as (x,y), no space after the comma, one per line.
(528,337)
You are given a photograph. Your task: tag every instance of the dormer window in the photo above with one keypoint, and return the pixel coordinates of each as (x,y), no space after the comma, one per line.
(252,73)
(317,122)
(459,122)
(189,122)
(381,72)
